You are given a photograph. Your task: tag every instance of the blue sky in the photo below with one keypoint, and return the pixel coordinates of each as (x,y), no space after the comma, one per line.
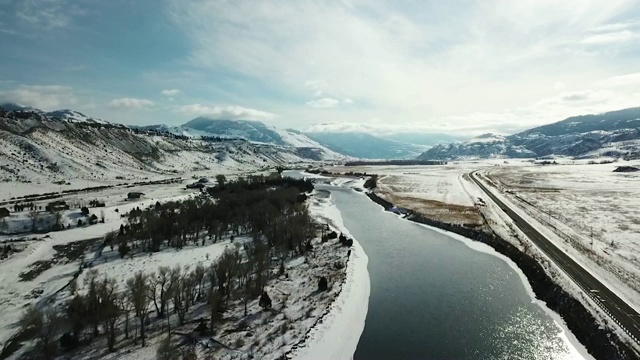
(435,66)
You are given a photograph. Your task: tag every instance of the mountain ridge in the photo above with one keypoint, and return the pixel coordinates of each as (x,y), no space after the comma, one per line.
(37,147)
(614,133)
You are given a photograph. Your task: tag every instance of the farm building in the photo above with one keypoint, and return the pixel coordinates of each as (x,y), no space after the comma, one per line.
(57,206)
(196,186)
(134,195)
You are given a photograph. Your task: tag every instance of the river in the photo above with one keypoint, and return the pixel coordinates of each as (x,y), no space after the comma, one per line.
(435,297)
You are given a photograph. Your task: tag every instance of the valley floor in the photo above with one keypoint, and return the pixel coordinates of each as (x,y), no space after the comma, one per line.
(573,203)
(592,211)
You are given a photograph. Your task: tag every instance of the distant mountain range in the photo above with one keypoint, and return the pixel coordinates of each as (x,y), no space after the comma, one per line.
(363,145)
(249,130)
(422,138)
(355,144)
(37,146)
(615,133)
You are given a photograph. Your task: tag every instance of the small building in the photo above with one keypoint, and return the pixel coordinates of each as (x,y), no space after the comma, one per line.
(4,212)
(196,186)
(134,195)
(58,205)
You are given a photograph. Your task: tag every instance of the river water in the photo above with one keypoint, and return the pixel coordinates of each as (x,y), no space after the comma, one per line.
(434,297)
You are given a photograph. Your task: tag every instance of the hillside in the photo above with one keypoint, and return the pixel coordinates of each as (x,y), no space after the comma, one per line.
(610,122)
(250,130)
(615,134)
(253,131)
(54,147)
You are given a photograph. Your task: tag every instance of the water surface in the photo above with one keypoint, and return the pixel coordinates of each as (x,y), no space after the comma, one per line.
(434,297)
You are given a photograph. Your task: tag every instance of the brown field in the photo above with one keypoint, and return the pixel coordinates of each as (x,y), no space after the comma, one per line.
(450,213)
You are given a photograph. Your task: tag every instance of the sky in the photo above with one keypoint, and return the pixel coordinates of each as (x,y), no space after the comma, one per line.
(458,67)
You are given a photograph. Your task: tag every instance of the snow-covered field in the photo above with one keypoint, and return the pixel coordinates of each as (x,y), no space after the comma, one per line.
(304,325)
(38,249)
(578,194)
(434,190)
(342,309)
(592,210)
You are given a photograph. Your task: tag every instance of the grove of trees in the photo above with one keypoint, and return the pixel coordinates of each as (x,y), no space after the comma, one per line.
(269,210)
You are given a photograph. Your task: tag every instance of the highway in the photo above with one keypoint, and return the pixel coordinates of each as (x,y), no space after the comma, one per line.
(623,314)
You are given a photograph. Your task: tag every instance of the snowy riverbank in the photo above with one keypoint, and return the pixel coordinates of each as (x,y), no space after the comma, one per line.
(336,335)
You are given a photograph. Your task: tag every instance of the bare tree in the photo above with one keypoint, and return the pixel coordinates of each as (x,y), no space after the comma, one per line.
(215,303)
(34,215)
(244,276)
(45,324)
(174,286)
(109,311)
(57,216)
(198,274)
(76,312)
(92,300)
(125,308)
(166,350)
(4,226)
(137,293)
(179,296)
(160,289)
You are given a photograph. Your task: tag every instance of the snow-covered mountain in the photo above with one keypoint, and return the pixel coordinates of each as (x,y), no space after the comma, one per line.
(254,131)
(72,116)
(615,133)
(66,144)
(483,146)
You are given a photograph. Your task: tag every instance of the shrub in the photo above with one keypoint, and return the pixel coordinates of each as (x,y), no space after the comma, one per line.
(166,350)
(123,249)
(265,301)
(323,284)
(68,342)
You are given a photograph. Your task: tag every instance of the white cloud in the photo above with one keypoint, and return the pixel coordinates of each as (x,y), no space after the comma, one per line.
(611,37)
(317,85)
(617,26)
(226,112)
(598,97)
(415,61)
(44,97)
(347,101)
(344,126)
(48,14)
(130,103)
(621,81)
(559,85)
(170,92)
(323,103)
